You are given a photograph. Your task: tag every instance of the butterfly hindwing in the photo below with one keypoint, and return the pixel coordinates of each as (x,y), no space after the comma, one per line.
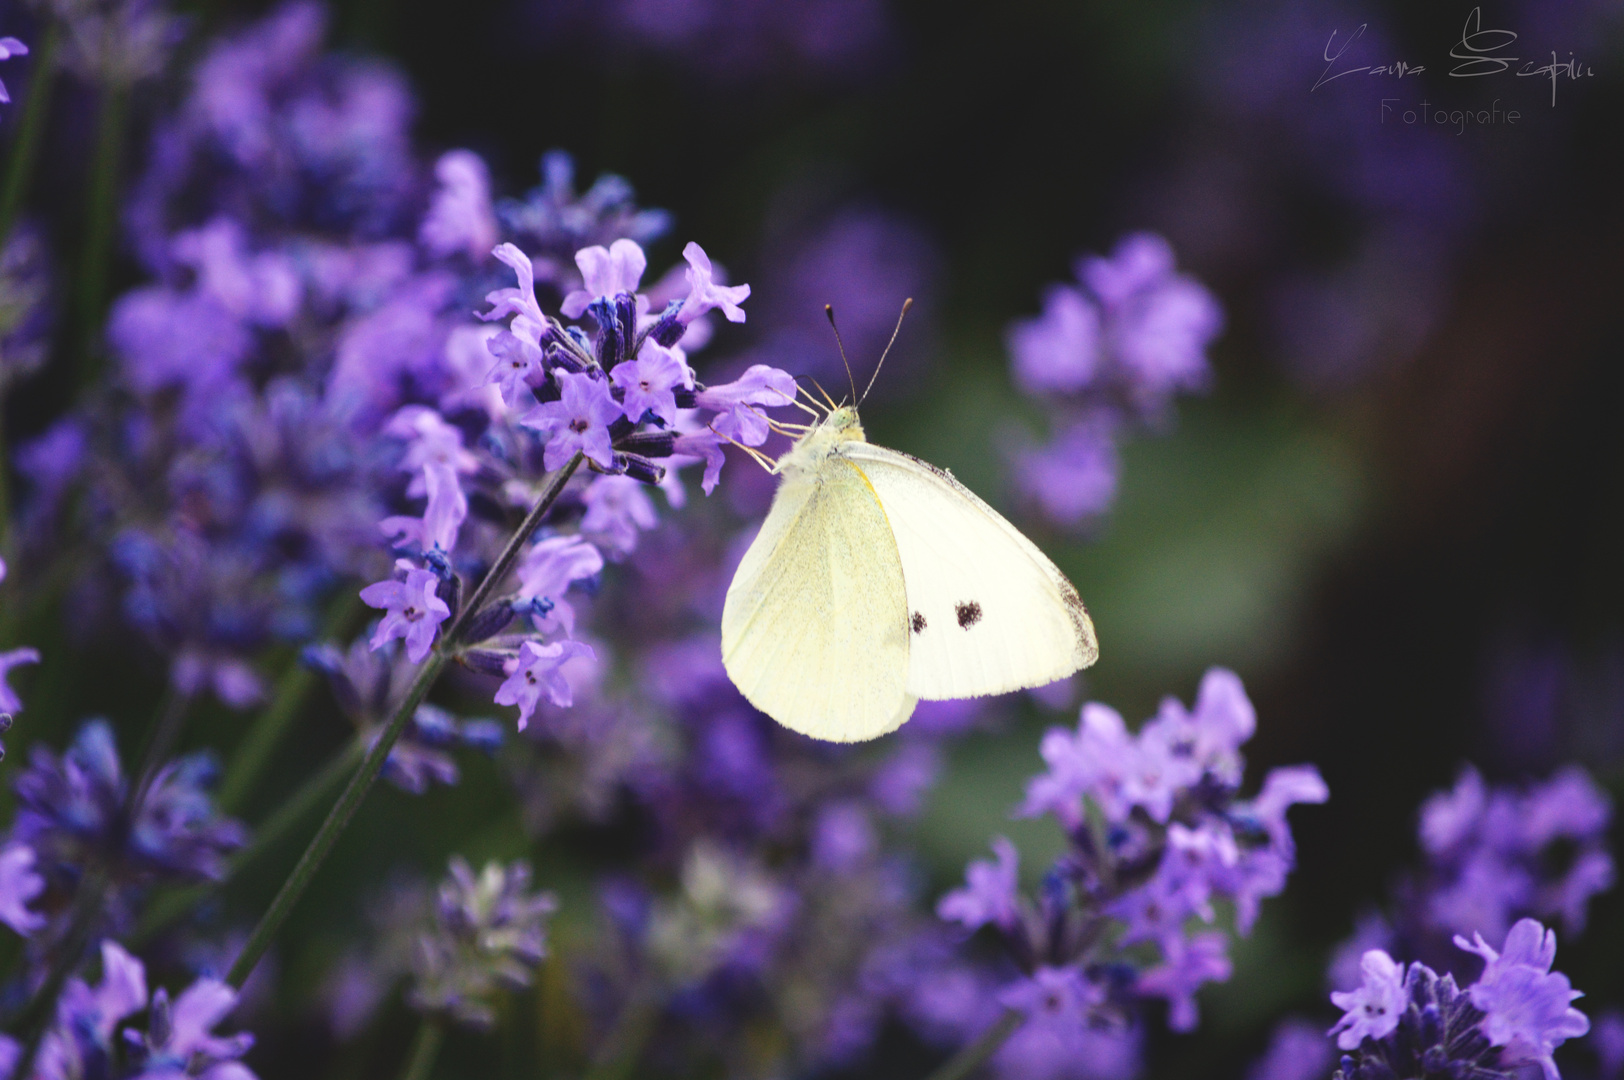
(987,611)
(814,630)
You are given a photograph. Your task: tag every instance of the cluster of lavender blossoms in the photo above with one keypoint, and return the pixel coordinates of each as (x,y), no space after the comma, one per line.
(1493,855)
(616,393)
(1156,836)
(1108,354)
(1496,858)
(1412,1022)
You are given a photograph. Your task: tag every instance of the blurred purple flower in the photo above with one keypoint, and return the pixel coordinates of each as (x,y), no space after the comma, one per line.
(9,47)
(989,895)
(19,884)
(9,701)
(460,218)
(1373,1010)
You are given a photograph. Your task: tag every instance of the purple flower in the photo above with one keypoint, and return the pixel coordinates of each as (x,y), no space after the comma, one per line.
(706,446)
(518,366)
(180,1041)
(460,218)
(488,934)
(412,611)
(9,47)
(1527,1007)
(1095,761)
(989,894)
(447,509)
(9,701)
(86,1018)
(1059,350)
(606,273)
(536,673)
(19,884)
(518,302)
(1074,478)
(1373,1010)
(546,572)
(71,812)
(617,508)
(733,403)
(705,292)
(1297,1051)
(1203,958)
(429,440)
(578,421)
(649,382)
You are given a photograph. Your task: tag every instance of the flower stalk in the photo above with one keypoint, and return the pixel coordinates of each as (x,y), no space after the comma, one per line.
(350,799)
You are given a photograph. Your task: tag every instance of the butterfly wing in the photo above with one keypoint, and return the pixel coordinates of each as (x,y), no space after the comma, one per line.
(987,611)
(815,627)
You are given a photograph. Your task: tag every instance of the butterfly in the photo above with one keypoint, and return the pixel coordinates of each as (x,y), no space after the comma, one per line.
(877,581)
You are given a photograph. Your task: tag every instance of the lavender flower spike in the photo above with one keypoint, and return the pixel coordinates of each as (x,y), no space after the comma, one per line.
(19,884)
(412,611)
(1527,1007)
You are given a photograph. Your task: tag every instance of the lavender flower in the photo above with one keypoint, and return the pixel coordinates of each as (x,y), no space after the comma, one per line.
(1157,835)
(178,1041)
(1107,354)
(579,421)
(488,934)
(1414,1022)
(368,685)
(412,611)
(73,812)
(535,674)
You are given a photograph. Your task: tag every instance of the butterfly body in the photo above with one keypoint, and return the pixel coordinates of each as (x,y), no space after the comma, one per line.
(878,580)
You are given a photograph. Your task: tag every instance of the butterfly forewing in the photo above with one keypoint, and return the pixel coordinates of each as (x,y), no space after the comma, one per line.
(815,629)
(987,611)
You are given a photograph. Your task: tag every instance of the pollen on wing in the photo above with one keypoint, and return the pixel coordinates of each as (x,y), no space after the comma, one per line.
(969,613)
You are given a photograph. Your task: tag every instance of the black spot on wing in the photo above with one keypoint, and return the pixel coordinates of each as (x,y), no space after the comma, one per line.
(918,622)
(969,613)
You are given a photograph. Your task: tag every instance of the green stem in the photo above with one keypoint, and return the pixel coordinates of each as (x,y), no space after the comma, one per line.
(975,1055)
(356,790)
(274,722)
(425,1048)
(100,218)
(25,150)
(170,906)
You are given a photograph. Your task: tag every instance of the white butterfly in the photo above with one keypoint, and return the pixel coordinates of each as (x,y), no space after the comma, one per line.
(878,580)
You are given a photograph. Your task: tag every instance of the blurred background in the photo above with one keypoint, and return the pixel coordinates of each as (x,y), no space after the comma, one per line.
(1395,507)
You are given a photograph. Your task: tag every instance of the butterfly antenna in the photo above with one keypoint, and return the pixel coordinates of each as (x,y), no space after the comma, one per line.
(906,304)
(829,313)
